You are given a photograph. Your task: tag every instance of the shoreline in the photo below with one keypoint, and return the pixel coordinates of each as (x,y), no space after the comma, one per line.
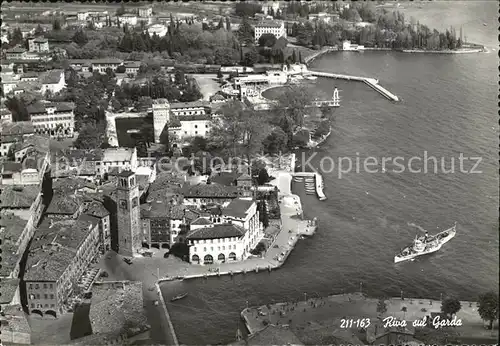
(325,314)
(321,52)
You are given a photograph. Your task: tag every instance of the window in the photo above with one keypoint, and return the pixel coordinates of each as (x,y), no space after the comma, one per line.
(52,305)
(45,296)
(36,286)
(31,286)
(44,285)
(204,249)
(32,305)
(195,126)
(51,296)
(37,296)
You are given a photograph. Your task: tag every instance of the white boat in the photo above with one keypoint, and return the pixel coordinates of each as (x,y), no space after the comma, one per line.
(426,245)
(311,77)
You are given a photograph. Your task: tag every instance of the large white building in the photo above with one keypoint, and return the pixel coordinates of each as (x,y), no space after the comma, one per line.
(120,158)
(53,81)
(145,12)
(231,240)
(277,28)
(40,45)
(127,18)
(158,29)
(54,119)
(192,126)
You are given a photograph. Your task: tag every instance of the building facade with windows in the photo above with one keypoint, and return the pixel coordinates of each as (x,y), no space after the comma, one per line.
(117,158)
(59,254)
(53,81)
(202,195)
(54,119)
(218,243)
(276,28)
(39,45)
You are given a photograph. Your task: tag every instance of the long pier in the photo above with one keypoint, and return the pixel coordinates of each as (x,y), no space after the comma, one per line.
(372,82)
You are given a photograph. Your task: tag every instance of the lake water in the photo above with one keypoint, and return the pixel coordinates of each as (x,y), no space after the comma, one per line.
(448,107)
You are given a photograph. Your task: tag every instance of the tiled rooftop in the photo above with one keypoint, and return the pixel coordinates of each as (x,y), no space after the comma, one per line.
(209,191)
(14,320)
(194,104)
(8,289)
(17,128)
(14,196)
(39,143)
(269,23)
(118,307)
(238,208)
(10,167)
(64,204)
(201,221)
(54,246)
(52,77)
(71,184)
(96,208)
(41,107)
(196,117)
(117,154)
(12,226)
(217,231)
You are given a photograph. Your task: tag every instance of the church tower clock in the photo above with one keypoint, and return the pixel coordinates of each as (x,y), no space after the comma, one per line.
(128,214)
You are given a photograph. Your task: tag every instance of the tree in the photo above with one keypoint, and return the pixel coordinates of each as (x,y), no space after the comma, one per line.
(450,306)
(221,24)
(238,131)
(291,107)
(199,143)
(251,57)
(263,177)
(180,78)
(56,25)
(267,40)
(381,307)
(219,74)
(228,24)
(39,30)
(488,307)
(247,9)
(121,10)
(245,32)
(80,37)
(276,141)
(90,136)
(17,37)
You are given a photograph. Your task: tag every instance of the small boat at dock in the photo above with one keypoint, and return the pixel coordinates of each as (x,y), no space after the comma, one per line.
(180,296)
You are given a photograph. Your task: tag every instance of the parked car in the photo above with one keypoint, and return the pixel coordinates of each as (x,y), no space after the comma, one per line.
(127,260)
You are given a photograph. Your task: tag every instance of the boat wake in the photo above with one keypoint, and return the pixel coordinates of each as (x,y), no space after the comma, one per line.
(411,224)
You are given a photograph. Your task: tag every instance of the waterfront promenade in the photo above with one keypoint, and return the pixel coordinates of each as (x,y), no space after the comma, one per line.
(314,316)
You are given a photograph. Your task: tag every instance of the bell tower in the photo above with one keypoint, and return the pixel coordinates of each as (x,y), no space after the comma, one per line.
(161,116)
(128,214)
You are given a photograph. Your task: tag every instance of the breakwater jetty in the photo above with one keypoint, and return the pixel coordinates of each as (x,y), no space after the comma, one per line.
(372,82)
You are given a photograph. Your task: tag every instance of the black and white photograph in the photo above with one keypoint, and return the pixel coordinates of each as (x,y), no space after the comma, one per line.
(249,173)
